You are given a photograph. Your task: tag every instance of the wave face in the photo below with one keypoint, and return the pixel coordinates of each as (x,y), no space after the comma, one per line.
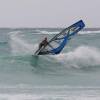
(75,73)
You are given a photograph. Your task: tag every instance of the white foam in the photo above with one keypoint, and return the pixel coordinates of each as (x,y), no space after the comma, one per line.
(88,32)
(46,32)
(20,46)
(53,92)
(62,96)
(83,55)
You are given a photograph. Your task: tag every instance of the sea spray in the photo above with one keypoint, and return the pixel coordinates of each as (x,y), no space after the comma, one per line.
(20,46)
(81,56)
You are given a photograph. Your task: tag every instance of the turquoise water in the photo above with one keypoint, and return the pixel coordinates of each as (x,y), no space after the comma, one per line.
(73,74)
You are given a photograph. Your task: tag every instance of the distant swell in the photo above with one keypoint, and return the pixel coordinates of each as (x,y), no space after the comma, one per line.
(56,32)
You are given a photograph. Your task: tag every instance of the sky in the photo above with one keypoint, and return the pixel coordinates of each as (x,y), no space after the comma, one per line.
(48,13)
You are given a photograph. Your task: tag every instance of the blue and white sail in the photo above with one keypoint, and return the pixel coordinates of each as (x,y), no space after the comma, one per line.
(58,42)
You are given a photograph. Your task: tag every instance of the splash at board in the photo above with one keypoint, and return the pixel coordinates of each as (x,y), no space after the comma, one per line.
(59,41)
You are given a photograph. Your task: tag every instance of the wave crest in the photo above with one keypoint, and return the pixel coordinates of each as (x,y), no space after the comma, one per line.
(81,56)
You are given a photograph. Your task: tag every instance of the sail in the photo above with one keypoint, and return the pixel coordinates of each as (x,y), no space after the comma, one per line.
(58,42)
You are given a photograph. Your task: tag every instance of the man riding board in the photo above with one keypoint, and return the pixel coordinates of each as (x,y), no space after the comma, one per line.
(43,43)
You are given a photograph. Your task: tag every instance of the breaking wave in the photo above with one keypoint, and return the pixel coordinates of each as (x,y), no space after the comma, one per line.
(83,56)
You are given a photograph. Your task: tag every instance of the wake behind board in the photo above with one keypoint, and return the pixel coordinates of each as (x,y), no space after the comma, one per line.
(58,42)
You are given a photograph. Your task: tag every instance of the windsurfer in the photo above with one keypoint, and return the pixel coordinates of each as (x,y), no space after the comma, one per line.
(43,43)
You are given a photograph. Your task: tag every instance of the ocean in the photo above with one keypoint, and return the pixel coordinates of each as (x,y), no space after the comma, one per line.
(74,74)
